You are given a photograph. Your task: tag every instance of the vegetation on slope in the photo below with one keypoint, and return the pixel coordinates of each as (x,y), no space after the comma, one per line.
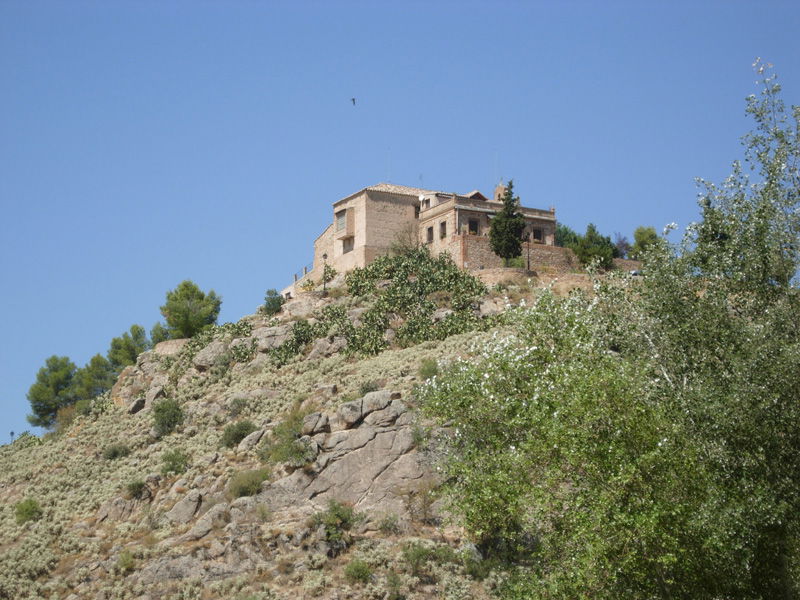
(643,443)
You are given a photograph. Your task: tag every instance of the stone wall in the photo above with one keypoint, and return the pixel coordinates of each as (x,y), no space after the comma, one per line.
(476,254)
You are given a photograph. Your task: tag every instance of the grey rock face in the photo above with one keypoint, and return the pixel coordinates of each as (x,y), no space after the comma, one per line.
(186,508)
(249,442)
(268,338)
(208,356)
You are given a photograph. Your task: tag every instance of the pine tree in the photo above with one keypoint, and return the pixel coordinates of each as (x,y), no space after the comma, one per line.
(188,310)
(505,234)
(51,391)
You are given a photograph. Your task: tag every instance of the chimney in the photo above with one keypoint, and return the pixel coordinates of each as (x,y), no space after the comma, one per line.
(499,192)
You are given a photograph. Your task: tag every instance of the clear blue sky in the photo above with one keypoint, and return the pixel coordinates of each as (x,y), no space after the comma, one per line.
(143,143)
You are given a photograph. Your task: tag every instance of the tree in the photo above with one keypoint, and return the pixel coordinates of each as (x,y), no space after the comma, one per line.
(565,236)
(158,334)
(505,233)
(51,391)
(96,377)
(273,302)
(655,423)
(621,246)
(644,238)
(188,310)
(593,246)
(125,349)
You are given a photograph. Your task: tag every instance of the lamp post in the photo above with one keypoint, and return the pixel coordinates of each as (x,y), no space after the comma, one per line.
(528,238)
(324,274)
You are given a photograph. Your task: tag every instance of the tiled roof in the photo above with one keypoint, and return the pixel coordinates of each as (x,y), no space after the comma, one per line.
(391,188)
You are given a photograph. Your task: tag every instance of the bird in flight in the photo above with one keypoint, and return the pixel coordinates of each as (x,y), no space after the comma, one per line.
(353,100)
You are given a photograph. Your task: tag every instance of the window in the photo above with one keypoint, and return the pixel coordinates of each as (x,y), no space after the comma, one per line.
(442,230)
(416,212)
(473,226)
(430,235)
(426,204)
(537,235)
(341,220)
(347,245)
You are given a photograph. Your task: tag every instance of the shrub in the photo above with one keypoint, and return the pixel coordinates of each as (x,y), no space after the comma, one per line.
(284,445)
(167,416)
(428,368)
(126,562)
(416,557)
(136,489)
(367,387)
(247,483)
(27,510)
(236,432)
(389,524)
(394,589)
(64,418)
(115,451)
(273,302)
(83,407)
(237,406)
(357,571)
(336,520)
(174,461)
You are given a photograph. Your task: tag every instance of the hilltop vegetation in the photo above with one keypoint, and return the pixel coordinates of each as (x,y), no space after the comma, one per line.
(411,434)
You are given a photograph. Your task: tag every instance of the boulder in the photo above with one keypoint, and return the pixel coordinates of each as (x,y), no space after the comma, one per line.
(350,413)
(186,508)
(268,338)
(250,441)
(170,347)
(327,346)
(217,516)
(315,423)
(210,355)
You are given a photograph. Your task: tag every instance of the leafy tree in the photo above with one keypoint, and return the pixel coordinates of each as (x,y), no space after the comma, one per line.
(126,348)
(273,302)
(51,391)
(158,334)
(93,379)
(188,310)
(566,236)
(593,246)
(644,238)
(621,246)
(505,233)
(656,424)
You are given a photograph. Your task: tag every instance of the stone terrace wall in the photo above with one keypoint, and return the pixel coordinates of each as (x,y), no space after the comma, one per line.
(545,259)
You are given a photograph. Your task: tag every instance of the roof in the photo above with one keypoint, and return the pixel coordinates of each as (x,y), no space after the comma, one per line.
(391,188)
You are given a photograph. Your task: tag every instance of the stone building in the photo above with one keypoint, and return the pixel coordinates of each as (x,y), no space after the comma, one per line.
(366,224)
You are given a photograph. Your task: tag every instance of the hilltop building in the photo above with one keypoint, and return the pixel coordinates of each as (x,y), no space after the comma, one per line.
(364,226)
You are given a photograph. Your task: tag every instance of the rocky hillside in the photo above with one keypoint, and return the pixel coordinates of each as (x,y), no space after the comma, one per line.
(250,462)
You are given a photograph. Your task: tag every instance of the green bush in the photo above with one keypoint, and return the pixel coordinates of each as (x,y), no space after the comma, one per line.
(367,387)
(115,451)
(136,489)
(337,520)
(126,561)
(188,310)
(236,432)
(27,510)
(284,446)
(83,407)
(358,571)
(428,368)
(174,461)
(167,416)
(247,483)
(273,302)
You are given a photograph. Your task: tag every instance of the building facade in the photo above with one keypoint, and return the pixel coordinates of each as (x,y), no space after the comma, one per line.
(368,223)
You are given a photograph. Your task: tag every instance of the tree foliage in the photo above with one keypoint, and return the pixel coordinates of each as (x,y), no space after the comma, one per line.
(644,238)
(124,349)
(188,310)
(505,233)
(643,443)
(593,247)
(158,334)
(51,391)
(565,236)
(96,377)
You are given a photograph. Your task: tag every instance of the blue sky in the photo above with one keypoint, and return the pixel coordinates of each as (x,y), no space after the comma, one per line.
(143,143)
